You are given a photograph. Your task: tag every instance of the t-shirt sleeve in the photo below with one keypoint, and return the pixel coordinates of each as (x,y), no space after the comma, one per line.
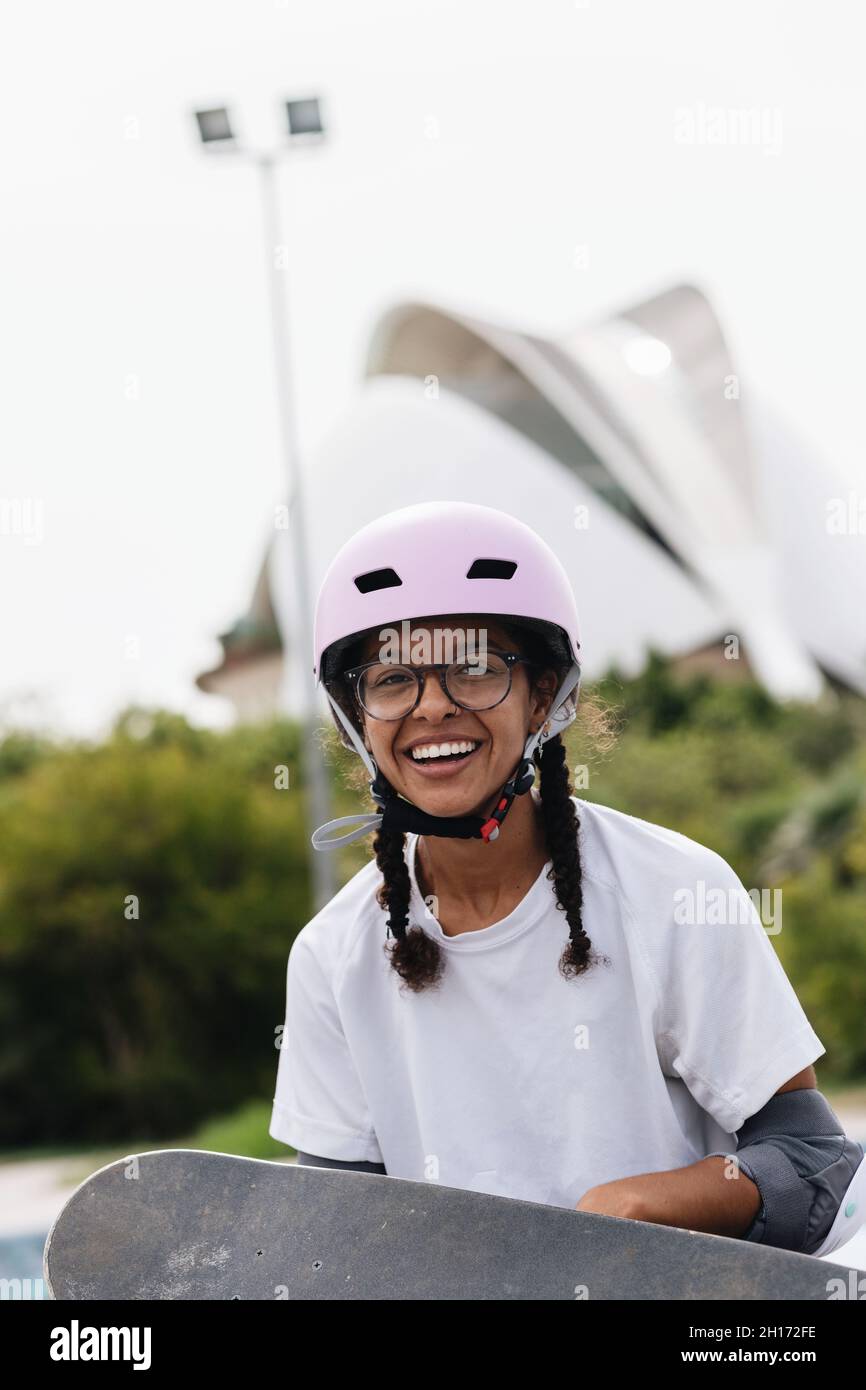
(319,1105)
(728,1022)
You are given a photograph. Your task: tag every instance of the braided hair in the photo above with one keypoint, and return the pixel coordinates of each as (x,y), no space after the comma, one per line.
(416,957)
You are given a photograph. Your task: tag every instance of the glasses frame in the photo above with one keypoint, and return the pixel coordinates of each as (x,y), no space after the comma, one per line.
(355,674)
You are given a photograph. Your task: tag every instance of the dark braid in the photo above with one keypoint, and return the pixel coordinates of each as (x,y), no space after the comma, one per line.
(416,956)
(561,827)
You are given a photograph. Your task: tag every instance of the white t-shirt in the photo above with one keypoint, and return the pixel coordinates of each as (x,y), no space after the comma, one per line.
(509,1079)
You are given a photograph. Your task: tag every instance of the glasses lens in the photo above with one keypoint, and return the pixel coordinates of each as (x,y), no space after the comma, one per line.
(478,685)
(388,692)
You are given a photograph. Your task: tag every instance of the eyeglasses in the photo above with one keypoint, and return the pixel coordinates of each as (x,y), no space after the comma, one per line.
(386,691)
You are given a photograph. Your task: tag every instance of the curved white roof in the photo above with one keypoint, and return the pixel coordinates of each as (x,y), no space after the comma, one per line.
(637,420)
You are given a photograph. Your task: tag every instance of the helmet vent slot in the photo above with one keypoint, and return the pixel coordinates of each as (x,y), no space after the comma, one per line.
(377,579)
(491,569)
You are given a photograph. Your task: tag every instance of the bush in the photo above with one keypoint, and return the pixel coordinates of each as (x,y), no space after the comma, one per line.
(150,890)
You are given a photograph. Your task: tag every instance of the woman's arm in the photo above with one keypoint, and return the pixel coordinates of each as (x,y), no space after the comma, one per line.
(793,1165)
(699,1197)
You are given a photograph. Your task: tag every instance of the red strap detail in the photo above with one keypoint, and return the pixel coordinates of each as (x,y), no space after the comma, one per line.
(487,827)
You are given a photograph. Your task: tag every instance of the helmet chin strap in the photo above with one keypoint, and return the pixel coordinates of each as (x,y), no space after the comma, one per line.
(399,814)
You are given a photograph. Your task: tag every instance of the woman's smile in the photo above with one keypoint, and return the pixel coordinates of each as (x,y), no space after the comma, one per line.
(435,759)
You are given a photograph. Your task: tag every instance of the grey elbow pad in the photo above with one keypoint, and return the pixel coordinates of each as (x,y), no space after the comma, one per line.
(796,1152)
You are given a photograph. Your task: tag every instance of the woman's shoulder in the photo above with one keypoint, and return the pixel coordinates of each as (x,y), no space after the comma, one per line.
(640,859)
(336,929)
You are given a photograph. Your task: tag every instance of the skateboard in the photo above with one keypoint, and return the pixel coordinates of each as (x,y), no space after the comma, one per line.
(187,1224)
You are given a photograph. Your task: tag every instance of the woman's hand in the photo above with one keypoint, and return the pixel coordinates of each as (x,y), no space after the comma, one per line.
(618,1198)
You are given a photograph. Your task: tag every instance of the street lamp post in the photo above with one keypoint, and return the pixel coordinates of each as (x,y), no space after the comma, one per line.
(304,123)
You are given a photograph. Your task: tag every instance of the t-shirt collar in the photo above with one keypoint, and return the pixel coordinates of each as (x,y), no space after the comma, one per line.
(525,915)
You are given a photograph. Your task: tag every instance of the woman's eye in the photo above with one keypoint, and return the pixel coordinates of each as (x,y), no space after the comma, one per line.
(393,678)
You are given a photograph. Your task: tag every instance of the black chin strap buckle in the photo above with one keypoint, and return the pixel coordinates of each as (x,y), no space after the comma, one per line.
(524,777)
(516,786)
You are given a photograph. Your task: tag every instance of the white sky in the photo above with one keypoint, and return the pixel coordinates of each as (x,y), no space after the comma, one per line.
(140,257)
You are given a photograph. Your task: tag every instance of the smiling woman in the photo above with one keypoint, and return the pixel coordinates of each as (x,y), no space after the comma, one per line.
(535,1020)
(455,753)
(507,707)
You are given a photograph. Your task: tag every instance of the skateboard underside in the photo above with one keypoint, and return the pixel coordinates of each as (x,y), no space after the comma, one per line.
(185,1224)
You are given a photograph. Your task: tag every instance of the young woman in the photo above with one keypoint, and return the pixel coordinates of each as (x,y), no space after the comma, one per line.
(525,993)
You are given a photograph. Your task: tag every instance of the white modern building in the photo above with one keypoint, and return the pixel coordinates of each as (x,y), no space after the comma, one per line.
(684,514)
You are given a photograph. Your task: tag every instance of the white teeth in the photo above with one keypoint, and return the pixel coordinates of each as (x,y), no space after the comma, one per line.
(439,750)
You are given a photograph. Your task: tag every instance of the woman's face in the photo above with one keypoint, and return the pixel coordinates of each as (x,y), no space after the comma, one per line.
(499,734)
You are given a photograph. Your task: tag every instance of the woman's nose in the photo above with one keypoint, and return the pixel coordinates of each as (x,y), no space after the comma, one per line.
(434,698)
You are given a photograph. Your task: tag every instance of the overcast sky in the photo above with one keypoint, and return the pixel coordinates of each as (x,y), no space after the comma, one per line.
(473,147)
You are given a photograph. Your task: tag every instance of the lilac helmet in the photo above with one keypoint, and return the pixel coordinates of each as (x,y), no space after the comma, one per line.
(439,558)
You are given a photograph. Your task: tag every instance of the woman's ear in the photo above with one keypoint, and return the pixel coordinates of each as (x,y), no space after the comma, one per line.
(544,689)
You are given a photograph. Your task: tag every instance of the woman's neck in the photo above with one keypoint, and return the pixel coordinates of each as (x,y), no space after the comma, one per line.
(480,878)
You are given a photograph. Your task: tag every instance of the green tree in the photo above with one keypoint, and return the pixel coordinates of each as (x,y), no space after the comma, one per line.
(150,890)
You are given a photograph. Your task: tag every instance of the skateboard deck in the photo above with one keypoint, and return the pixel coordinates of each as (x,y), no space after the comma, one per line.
(187,1224)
